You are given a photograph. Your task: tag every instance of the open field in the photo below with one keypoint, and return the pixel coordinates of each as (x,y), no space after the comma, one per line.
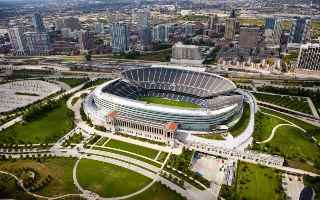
(151,153)
(109,180)
(73,82)
(157,192)
(258,182)
(60,169)
(294,103)
(45,129)
(242,123)
(168,102)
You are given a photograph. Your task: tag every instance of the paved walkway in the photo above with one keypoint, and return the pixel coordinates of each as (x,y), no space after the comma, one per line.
(313,108)
(10,123)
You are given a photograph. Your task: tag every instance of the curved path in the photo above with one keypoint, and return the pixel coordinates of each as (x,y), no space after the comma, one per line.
(289,123)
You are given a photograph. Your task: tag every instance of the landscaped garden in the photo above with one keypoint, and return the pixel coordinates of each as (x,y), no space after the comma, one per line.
(242,123)
(45,176)
(291,102)
(73,82)
(40,126)
(255,182)
(168,102)
(109,180)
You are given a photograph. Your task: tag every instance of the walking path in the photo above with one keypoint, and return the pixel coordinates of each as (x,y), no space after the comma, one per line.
(313,108)
(278,126)
(10,123)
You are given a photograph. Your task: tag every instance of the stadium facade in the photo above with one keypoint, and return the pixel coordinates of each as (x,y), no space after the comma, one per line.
(116,105)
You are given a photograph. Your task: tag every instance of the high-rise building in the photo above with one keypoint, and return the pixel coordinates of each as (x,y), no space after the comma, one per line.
(37,43)
(213,20)
(231,26)
(161,33)
(309,57)
(86,40)
(17,40)
(38,23)
(143,26)
(249,37)
(300,31)
(188,30)
(272,33)
(120,37)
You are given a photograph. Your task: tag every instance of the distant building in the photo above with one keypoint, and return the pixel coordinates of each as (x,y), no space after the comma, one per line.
(249,37)
(300,31)
(213,20)
(189,54)
(230,27)
(188,29)
(143,26)
(72,23)
(272,33)
(120,37)
(37,43)
(161,33)
(86,40)
(309,57)
(17,40)
(99,27)
(38,23)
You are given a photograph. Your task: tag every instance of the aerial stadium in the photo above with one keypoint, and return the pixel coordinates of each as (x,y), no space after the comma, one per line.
(158,103)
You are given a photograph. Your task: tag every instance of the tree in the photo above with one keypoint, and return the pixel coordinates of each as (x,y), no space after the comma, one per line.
(88,56)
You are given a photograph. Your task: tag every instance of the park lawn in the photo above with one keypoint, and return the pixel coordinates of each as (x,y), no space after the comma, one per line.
(264,125)
(242,123)
(212,136)
(252,21)
(168,102)
(299,104)
(162,157)
(258,182)
(101,141)
(59,168)
(46,129)
(73,82)
(161,56)
(109,180)
(128,155)
(10,190)
(157,192)
(151,153)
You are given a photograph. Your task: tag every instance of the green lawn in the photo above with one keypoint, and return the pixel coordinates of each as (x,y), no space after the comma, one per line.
(58,168)
(73,82)
(168,102)
(264,125)
(162,156)
(158,192)
(48,128)
(128,155)
(294,103)
(212,136)
(242,123)
(10,190)
(151,153)
(109,180)
(258,182)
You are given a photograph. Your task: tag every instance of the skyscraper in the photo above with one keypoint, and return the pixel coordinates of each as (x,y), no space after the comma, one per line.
(188,29)
(213,20)
(86,40)
(161,33)
(272,33)
(37,43)
(17,40)
(38,23)
(231,25)
(120,37)
(144,30)
(300,31)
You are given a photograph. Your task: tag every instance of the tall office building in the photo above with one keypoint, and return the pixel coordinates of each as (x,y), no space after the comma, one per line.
(86,40)
(188,30)
(309,57)
(300,31)
(143,26)
(38,23)
(37,43)
(17,40)
(249,37)
(120,37)
(272,33)
(231,26)
(213,20)
(161,33)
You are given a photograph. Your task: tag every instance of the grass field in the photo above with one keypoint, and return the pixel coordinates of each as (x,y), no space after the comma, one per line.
(168,102)
(242,123)
(10,190)
(48,128)
(58,168)
(73,82)
(258,182)
(109,180)
(150,153)
(294,103)
(157,192)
